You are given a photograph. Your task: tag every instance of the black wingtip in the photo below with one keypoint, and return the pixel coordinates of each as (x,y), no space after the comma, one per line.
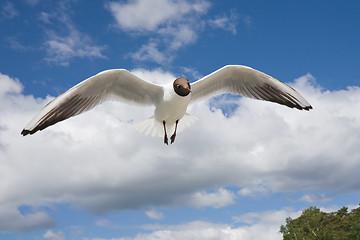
(307,108)
(25,132)
(297,106)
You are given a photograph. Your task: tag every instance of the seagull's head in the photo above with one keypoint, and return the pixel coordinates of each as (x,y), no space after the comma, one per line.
(182,86)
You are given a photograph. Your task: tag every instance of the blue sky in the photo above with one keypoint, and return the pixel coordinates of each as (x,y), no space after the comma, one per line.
(237,173)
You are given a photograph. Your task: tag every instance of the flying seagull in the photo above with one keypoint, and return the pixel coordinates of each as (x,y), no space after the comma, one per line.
(170,100)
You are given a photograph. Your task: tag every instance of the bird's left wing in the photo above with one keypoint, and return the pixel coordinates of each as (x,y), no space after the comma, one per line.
(237,79)
(116,84)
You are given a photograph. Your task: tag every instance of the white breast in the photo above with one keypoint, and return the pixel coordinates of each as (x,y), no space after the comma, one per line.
(171,107)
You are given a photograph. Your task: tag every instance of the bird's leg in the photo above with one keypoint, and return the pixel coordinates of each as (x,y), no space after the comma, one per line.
(174,134)
(165,136)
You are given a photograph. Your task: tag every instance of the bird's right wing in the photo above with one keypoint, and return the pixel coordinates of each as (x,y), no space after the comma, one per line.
(116,84)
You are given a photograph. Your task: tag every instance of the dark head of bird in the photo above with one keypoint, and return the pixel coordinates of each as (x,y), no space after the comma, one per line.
(182,86)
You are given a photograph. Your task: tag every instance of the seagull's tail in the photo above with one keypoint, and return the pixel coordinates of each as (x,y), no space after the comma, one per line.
(155,128)
(150,127)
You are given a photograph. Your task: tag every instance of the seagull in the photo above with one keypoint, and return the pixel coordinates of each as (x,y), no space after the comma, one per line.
(170,100)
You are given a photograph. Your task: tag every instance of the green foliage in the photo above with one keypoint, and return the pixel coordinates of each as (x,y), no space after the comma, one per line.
(314,224)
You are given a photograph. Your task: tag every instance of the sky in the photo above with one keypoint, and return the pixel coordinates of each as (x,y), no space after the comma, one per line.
(237,173)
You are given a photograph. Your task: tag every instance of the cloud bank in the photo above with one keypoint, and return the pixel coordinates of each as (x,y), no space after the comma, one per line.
(254,225)
(97,162)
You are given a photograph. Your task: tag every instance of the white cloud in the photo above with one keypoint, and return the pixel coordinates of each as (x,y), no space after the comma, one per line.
(150,51)
(46,17)
(253,225)
(106,223)
(67,42)
(168,24)
(227,22)
(258,225)
(314,198)
(9,85)
(63,48)
(16,44)
(255,190)
(12,220)
(192,230)
(142,15)
(54,235)
(335,208)
(149,15)
(8,10)
(181,35)
(218,199)
(153,214)
(279,217)
(157,75)
(97,162)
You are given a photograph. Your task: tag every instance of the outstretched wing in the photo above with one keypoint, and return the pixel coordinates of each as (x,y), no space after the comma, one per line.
(116,84)
(237,79)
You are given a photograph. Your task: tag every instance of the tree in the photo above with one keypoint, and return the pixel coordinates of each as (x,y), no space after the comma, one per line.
(314,224)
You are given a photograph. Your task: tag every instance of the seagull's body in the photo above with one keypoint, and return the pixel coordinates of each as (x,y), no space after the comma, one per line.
(170,100)
(171,106)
